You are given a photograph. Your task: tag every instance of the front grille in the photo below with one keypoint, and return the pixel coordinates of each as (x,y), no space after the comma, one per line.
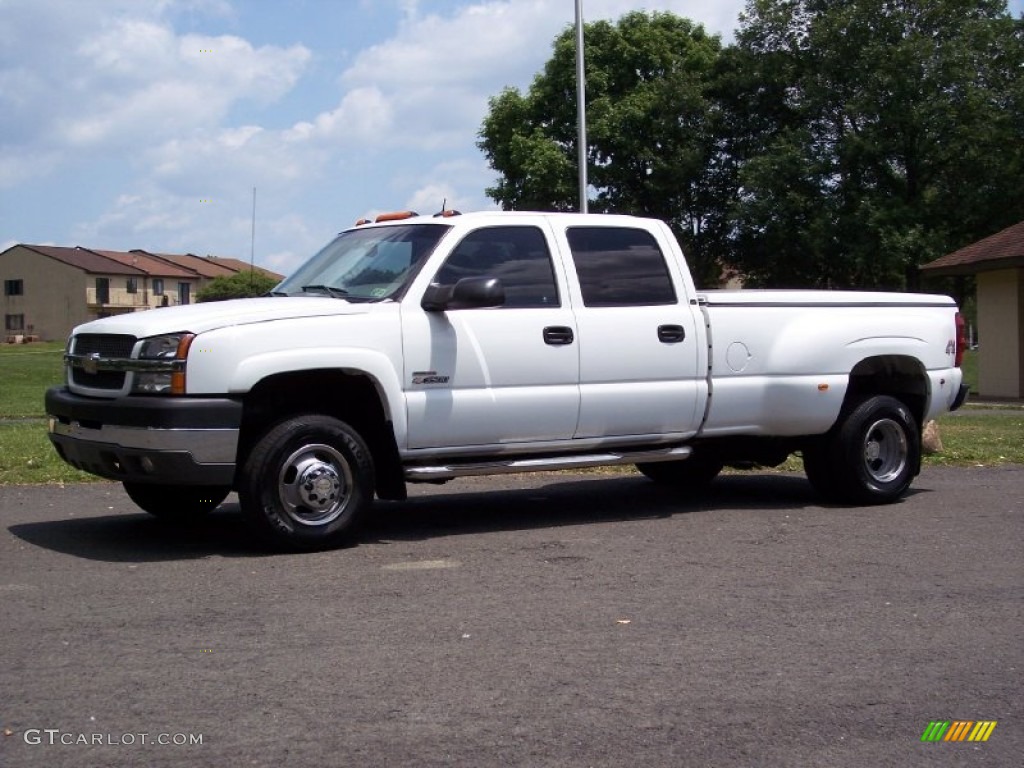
(107,344)
(98,380)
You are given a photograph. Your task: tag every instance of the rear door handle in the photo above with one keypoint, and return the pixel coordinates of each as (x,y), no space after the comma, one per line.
(671,334)
(558,335)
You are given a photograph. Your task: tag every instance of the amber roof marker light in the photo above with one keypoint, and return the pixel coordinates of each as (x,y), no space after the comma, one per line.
(395,216)
(388,216)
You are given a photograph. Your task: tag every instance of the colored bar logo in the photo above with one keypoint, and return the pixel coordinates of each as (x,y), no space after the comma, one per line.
(958,730)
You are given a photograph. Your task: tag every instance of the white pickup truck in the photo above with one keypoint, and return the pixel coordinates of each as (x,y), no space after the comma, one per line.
(425,348)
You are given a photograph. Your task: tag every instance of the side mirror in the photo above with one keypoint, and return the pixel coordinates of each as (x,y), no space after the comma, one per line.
(468,293)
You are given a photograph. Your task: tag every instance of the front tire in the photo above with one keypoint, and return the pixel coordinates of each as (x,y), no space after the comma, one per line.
(176,503)
(871,458)
(307,483)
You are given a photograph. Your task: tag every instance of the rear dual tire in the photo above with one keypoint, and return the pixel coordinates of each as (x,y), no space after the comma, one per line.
(870,457)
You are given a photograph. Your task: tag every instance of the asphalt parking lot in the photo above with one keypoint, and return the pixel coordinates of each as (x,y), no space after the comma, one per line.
(540,620)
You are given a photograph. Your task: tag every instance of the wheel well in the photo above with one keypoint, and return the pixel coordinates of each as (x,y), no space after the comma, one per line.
(894,375)
(351,397)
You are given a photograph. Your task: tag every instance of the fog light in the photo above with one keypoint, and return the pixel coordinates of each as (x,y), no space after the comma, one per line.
(147,465)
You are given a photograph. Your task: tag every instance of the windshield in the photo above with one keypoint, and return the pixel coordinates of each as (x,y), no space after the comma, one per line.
(370,264)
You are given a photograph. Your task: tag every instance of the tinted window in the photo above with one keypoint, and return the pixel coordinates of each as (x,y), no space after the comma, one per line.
(518,256)
(619,267)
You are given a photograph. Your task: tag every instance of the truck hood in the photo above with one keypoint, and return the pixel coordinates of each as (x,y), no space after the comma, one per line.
(197,318)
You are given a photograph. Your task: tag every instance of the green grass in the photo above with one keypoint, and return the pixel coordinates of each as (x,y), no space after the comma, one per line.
(970,438)
(26,370)
(970,370)
(27,457)
(979,437)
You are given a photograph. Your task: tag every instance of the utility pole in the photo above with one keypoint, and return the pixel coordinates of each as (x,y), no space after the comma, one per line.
(581,107)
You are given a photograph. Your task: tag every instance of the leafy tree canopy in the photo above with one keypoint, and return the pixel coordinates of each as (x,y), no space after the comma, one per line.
(838,143)
(872,136)
(241,285)
(651,129)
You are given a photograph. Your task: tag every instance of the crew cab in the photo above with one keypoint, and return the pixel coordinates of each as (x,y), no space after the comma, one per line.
(425,348)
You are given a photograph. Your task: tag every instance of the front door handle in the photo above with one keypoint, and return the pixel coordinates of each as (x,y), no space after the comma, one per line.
(671,334)
(558,335)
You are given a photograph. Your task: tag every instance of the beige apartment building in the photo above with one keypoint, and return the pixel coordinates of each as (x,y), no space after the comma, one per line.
(48,290)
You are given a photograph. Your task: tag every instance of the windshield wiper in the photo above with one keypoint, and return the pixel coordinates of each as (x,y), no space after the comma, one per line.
(275,293)
(330,290)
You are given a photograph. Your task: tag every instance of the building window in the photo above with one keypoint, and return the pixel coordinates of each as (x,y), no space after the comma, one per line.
(183,293)
(133,285)
(102,290)
(158,286)
(14,287)
(14,322)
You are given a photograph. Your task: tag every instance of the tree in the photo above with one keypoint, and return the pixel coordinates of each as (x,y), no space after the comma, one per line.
(654,144)
(871,136)
(240,285)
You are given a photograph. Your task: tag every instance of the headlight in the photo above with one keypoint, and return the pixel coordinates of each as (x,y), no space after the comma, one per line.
(167,377)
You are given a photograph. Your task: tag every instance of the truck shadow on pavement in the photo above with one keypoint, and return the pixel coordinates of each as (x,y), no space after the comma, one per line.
(139,538)
(429,512)
(448,510)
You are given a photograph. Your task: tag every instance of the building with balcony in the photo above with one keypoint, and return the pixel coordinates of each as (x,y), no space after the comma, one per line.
(48,289)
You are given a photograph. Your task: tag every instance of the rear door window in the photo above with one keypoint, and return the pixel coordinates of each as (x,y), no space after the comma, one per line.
(620,267)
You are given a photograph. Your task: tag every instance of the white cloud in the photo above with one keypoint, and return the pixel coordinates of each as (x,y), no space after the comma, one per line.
(121,80)
(146,81)
(293,229)
(479,42)
(363,115)
(458,184)
(17,166)
(434,76)
(167,112)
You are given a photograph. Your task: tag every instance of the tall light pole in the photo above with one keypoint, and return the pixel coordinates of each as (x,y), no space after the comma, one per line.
(581,107)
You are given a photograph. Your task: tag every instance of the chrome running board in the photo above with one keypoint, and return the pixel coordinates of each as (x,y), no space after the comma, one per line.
(544,464)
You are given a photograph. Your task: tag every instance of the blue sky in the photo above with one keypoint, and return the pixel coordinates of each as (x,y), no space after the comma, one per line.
(147,123)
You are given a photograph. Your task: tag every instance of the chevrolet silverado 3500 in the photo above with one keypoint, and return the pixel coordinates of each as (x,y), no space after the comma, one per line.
(425,348)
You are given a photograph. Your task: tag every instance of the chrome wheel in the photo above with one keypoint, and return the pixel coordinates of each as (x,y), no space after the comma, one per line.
(885,450)
(307,483)
(314,485)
